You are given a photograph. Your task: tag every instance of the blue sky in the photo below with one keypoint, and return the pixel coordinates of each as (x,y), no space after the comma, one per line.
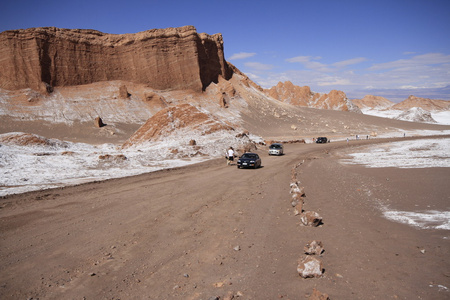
(390,48)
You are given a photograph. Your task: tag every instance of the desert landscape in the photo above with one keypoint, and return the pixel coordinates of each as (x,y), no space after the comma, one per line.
(114,184)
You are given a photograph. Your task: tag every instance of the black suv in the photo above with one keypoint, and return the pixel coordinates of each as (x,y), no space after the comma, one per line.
(321,140)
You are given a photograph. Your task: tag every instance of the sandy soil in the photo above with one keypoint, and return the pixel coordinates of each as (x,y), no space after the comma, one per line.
(79,132)
(211,230)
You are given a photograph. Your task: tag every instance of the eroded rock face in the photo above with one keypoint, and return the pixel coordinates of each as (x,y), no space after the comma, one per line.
(172,58)
(176,119)
(303,96)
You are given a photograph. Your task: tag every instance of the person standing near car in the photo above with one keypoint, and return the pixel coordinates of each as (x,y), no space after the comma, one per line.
(230,156)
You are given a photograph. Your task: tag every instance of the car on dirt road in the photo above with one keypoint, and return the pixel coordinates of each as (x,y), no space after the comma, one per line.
(249,160)
(321,140)
(276,149)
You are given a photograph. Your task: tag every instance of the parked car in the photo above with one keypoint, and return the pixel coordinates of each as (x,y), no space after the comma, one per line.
(321,140)
(249,160)
(276,149)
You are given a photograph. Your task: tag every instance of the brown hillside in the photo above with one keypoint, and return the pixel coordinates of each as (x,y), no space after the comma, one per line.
(372,102)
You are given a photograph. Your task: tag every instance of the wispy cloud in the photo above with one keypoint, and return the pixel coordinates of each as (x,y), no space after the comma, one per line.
(302,59)
(414,62)
(241,55)
(310,63)
(348,62)
(334,81)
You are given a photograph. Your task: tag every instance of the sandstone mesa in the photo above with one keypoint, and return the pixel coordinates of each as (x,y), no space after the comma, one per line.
(172,58)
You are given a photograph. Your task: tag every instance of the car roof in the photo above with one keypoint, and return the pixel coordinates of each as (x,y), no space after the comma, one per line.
(250,153)
(278,144)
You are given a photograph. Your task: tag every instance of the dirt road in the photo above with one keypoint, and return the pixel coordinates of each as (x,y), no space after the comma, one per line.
(197,232)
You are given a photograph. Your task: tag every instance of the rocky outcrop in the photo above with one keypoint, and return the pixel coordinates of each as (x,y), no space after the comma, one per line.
(424,103)
(176,120)
(29,139)
(370,101)
(416,114)
(164,59)
(98,122)
(303,96)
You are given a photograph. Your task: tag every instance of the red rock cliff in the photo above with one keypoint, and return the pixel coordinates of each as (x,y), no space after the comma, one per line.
(172,58)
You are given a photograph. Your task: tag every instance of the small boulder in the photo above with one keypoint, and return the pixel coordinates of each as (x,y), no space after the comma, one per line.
(316,295)
(123,92)
(311,218)
(295,189)
(298,209)
(192,143)
(98,122)
(309,267)
(298,196)
(314,248)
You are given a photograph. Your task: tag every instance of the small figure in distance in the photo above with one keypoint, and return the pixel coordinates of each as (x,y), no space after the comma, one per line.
(230,153)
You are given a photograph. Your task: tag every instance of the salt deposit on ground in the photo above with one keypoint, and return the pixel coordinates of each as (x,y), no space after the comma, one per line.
(425,153)
(442,117)
(35,167)
(430,219)
(406,154)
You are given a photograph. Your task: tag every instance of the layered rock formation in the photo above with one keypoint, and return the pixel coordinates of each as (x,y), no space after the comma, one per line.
(164,59)
(303,96)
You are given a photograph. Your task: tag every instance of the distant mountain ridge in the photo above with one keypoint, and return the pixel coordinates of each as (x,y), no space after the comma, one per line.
(424,103)
(377,102)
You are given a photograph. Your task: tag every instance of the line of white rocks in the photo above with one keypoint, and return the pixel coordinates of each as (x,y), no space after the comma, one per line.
(309,266)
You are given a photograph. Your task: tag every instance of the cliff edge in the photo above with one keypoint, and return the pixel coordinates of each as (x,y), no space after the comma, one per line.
(164,59)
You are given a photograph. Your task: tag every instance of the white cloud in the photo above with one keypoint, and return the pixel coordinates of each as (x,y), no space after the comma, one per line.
(302,59)
(414,62)
(258,66)
(242,55)
(308,62)
(348,62)
(335,82)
